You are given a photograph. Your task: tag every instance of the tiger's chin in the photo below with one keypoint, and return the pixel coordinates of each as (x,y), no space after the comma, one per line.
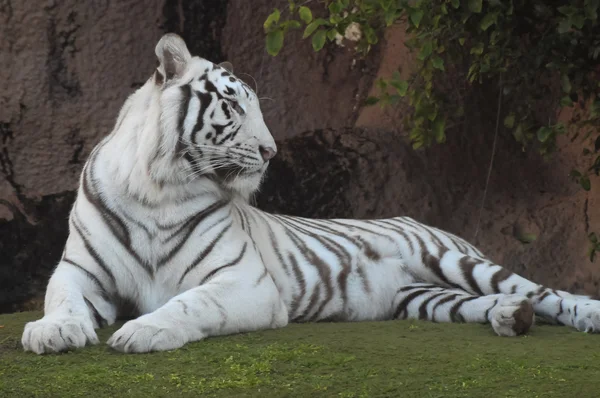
(244,183)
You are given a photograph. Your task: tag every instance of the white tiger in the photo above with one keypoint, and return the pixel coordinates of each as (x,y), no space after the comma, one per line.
(162,231)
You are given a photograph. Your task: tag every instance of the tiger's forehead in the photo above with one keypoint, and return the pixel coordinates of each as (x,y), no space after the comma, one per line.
(214,78)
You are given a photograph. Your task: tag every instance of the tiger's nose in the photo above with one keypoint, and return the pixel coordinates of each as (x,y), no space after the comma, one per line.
(267,152)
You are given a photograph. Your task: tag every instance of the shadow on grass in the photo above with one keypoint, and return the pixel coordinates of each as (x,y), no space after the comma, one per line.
(369,359)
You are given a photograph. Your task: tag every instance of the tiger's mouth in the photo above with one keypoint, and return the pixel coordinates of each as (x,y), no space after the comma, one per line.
(232,172)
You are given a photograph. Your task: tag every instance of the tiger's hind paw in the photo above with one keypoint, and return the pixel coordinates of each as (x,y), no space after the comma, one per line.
(512,316)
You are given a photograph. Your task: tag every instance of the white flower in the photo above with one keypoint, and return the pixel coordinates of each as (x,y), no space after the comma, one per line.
(353,32)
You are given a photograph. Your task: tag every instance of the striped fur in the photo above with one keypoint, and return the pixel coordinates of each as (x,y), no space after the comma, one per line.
(162,232)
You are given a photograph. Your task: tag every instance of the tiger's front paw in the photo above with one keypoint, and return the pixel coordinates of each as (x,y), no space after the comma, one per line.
(142,335)
(58,333)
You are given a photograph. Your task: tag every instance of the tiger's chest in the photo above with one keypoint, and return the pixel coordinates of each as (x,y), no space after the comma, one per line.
(166,254)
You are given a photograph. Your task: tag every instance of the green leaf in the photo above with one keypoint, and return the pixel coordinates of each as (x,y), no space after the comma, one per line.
(565,83)
(370,34)
(439,128)
(509,121)
(390,16)
(401,86)
(578,21)
(544,133)
(593,238)
(461,41)
(426,50)
(335,19)
(585,183)
(371,101)
(488,20)
(416,16)
(575,173)
(475,6)
(455,3)
(318,40)
(477,49)
(292,24)
(274,42)
(272,19)
(305,14)
(335,7)
(566,101)
(591,9)
(313,26)
(564,26)
(526,237)
(331,34)
(438,62)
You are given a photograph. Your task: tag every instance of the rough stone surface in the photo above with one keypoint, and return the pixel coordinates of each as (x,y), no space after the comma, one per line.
(301,90)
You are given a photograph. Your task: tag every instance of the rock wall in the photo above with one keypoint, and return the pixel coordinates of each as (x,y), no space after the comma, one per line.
(66,68)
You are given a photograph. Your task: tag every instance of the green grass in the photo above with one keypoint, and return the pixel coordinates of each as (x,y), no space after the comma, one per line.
(371,359)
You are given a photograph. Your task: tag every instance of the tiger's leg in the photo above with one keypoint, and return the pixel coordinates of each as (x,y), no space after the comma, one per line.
(483,277)
(230,302)
(75,304)
(510,315)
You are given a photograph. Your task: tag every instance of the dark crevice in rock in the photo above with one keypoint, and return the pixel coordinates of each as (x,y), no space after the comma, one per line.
(6,164)
(199,23)
(63,81)
(31,251)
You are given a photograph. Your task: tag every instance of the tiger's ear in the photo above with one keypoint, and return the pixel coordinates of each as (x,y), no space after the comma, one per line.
(173,56)
(227,66)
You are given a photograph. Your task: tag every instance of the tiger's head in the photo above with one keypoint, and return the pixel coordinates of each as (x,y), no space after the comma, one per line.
(211,119)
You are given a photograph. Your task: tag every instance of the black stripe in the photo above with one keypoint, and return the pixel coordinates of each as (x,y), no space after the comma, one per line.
(100,321)
(454,315)
(441,302)
(204,253)
(103,292)
(205,101)
(467,265)
(433,263)
(402,307)
(211,88)
(500,276)
(233,262)
(487,312)
(301,286)
(423,307)
(399,231)
(116,225)
(316,261)
(189,227)
(186,92)
(95,254)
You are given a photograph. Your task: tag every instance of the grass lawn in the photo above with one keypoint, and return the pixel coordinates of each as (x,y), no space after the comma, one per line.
(372,359)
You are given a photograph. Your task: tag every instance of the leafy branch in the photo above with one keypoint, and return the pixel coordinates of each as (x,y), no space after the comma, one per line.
(547,51)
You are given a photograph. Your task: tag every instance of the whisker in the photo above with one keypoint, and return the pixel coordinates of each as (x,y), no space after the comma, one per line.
(255,84)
